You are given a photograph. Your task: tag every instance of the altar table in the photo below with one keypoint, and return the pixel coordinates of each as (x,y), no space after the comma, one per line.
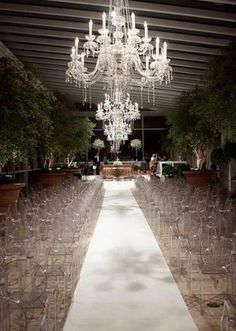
(117,171)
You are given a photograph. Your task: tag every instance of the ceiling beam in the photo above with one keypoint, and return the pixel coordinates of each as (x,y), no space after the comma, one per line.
(66,50)
(149,7)
(62,43)
(65,59)
(59,30)
(153,23)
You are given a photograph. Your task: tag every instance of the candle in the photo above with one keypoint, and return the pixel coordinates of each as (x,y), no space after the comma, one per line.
(147,62)
(157,45)
(82,59)
(104,21)
(145,30)
(90,27)
(73,52)
(133,20)
(165,50)
(76,45)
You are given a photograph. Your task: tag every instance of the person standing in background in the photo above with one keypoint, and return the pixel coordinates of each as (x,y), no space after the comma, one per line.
(153,164)
(97,163)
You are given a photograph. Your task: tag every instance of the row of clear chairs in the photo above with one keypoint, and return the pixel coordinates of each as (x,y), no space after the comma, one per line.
(42,246)
(197,226)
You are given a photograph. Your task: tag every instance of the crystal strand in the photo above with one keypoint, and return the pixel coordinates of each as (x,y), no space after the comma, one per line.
(85,93)
(90,97)
(153,95)
(141,97)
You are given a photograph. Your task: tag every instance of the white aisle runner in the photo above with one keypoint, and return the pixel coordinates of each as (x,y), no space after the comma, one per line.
(125,283)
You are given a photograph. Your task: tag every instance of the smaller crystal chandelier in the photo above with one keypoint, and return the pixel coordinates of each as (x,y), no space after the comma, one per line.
(118,115)
(111,109)
(117,130)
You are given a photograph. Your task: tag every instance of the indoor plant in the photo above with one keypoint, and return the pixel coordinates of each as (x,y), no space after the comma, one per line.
(24,116)
(136,144)
(191,132)
(70,135)
(98,144)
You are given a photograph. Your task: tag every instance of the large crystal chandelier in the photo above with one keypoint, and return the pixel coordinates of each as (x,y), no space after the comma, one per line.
(123,58)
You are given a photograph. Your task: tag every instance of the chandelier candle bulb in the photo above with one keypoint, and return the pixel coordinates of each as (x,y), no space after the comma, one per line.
(73,51)
(104,21)
(157,45)
(90,28)
(76,45)
(133,21)
(165,50)
(82,59)
(145,30)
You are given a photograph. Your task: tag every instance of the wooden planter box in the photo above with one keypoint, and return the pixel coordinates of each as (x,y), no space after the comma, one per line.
(71,171)
(202,177)
(9,194)
(47,179)
(233,186)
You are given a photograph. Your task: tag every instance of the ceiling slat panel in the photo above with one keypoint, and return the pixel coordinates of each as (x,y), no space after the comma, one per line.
(42,33)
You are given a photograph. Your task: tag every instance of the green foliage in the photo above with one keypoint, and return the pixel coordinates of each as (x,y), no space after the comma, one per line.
(70,134)
(222,88)
(217,156)
(230,150)
(176,170)
(189,129)
(201,115)
(98,144)
(36,121)
(179,168)
(9,180)
(144,166)
(136,167)
(168,171)
(25,105)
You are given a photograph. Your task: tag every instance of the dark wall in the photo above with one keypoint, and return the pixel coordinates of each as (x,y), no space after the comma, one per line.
(153,130)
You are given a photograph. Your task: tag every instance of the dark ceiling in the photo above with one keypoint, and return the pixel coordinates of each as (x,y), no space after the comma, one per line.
(42,33)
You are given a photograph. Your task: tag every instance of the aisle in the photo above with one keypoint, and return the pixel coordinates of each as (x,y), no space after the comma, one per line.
(125,283)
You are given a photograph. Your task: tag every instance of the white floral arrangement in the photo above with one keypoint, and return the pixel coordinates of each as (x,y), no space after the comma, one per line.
(117,163)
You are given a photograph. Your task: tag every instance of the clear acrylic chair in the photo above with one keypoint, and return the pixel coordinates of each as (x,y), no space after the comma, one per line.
(23,288)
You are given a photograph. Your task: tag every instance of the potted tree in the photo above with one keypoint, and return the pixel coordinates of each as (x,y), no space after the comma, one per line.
(98,144)
(221,106)
(70,135)
(9,187)
(191,132)
(78,141)
(136,144)
(24,107)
